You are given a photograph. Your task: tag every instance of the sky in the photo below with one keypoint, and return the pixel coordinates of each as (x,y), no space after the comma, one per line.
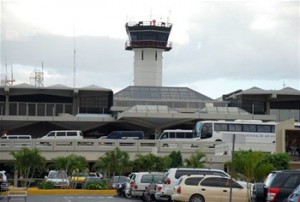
(218,46)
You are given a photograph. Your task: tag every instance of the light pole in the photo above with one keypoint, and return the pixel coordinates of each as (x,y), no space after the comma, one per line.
(232,157)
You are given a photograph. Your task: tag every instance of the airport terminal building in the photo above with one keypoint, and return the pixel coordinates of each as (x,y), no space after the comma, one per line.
(26,109)
(147,105)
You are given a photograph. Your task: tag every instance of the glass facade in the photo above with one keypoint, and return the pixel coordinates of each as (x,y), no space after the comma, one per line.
(93,104)
(36,109)
(173,97)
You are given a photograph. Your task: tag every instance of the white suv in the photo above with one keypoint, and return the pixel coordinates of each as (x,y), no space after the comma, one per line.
(139,181)
(59,178)
(3,181)
(171,177)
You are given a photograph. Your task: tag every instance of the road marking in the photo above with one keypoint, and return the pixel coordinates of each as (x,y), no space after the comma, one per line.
(87,197)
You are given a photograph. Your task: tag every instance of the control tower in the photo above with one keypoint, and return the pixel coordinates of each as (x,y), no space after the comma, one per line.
(148,39)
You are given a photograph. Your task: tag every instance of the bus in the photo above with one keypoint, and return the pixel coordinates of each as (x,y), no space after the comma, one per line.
(254,131)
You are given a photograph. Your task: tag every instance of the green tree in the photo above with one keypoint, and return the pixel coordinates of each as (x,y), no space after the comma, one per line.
(149,162)
(72,164)
(253,165)
(175,159)
(28,162)
(113,162)
(196,160)
(280,161)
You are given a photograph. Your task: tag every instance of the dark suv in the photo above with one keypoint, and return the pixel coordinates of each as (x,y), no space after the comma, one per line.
(276,187)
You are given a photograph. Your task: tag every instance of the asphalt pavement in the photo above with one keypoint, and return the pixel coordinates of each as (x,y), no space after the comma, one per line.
(70,195)
(73,198)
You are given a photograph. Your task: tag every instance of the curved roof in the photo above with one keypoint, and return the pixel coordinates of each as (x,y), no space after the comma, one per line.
(256,91)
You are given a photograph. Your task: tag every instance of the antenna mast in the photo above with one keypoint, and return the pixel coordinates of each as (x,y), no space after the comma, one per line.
(74,68)
(6,81)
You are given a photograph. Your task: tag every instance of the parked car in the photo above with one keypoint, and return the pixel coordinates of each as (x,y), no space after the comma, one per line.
(63,135)
(124,189)
(116,180)
(124,135)
(141,180)
(78,179)
(277,186)
(295,196)
(59,178)
(151,189)
(3,181)
(202,188)
(173,174)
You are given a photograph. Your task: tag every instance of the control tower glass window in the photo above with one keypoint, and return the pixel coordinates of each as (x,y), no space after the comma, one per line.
(151,36)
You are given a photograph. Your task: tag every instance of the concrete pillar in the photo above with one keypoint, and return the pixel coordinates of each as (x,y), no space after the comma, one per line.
(6,89)
(268,107)
(75,102)
(16,178)
(157,132)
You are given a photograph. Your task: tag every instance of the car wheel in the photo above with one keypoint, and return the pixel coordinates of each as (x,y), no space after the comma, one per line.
(258,194)
(147,197)
(196,198)
(128,194)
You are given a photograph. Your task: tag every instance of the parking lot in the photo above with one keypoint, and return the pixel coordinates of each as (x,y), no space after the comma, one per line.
(72,198)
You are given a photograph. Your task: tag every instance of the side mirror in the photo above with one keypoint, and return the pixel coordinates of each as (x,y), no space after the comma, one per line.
(46,177)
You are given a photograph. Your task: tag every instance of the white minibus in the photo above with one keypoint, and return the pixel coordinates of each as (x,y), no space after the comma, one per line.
(167,136)
(63,134)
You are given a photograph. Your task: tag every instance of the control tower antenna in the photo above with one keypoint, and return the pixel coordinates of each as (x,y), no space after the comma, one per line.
(12,76)
(169,17)
(150,14)
(148,40)
(74,62)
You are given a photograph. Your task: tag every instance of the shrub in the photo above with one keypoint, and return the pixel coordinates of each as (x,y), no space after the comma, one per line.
(45,185)
(101,184)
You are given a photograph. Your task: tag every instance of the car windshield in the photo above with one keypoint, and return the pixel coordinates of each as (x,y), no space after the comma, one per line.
(57,175)
(120,179)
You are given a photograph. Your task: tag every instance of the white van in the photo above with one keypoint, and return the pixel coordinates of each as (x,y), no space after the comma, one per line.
(168,136)
(15,137)
(176,134)
(63,134)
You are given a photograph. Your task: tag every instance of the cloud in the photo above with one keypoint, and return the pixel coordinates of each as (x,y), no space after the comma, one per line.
(226,44)
(96,59)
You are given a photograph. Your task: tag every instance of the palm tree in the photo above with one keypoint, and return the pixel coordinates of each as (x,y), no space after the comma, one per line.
(150,162)
(175,159)
(252,164)
(113,162)
(27,163)
(72,164)
(196,160)
(145,162)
